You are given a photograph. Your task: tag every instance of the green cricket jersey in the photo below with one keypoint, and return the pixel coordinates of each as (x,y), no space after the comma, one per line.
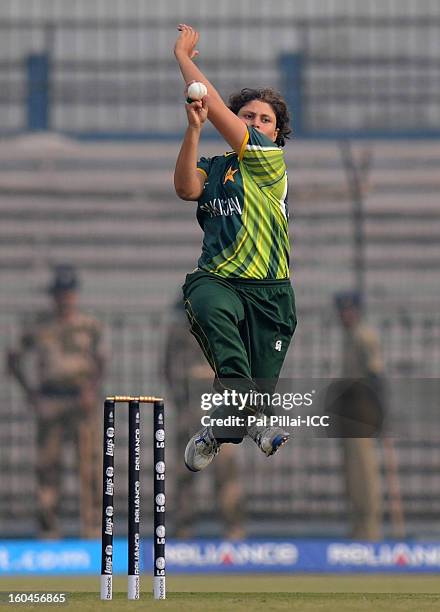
(243,211)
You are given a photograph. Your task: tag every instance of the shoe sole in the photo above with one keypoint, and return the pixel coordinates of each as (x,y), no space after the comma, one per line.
(191,469)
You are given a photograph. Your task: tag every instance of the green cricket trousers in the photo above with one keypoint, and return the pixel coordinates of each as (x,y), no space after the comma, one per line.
(244,328)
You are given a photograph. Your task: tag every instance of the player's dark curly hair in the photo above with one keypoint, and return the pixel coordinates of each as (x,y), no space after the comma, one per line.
(272,97)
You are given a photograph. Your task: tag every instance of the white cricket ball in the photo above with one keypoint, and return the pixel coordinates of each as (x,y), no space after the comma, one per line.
(196,91)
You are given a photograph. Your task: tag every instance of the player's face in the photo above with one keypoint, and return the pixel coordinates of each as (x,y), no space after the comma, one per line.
(261,116)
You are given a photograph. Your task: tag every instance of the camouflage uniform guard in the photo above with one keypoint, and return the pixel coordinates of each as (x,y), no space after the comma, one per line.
(362,364)
(69,364)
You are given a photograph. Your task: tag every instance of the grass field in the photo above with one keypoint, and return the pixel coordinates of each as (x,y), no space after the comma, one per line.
(305,593)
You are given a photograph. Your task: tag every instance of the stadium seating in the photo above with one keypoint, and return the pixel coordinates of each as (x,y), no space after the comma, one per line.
(111,210)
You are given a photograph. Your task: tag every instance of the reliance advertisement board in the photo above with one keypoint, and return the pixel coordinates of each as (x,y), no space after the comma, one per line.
(25,557)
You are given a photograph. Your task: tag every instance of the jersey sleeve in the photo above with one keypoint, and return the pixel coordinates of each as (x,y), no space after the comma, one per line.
(263,159)
(204,166)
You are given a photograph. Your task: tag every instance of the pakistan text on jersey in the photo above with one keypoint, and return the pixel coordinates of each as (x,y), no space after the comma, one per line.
(219,207)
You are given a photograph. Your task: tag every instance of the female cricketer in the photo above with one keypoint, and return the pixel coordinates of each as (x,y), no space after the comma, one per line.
(239,299)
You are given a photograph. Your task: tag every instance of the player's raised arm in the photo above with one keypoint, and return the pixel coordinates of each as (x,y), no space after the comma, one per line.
(224,120)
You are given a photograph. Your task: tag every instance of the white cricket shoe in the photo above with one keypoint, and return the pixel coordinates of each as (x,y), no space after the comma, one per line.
(201,450)
(268,439)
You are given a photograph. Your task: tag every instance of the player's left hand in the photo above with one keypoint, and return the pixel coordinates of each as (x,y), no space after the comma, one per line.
(197,112)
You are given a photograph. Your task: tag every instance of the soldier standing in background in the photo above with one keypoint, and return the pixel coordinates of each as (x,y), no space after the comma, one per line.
(362,406)
(63,390)
(185,365)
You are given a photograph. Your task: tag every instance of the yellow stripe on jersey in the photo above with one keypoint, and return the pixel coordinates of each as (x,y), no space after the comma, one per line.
(243,146)
(205,174)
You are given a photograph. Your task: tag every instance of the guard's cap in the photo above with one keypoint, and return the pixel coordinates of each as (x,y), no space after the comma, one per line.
(65,278)
(348,299)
